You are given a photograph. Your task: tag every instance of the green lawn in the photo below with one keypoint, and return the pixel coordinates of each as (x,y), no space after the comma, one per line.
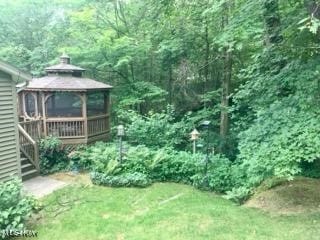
(163,211)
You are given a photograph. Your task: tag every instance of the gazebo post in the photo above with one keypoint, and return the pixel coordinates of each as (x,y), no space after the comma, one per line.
(44,117)
(24,105)
(105,96)
(108,106)
(84,114)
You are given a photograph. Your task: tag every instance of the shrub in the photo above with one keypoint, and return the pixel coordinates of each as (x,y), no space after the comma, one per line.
(124,180)
(104,158)
(138,159)
(164,164)
(278,142)
(95,157)
(239,195)
(218,177)
(53,157)
(156,130)
(75,159)
(108,171)
(161,165)
(15,208)
(176,166)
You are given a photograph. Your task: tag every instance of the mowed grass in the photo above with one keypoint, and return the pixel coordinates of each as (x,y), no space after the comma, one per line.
(162,211)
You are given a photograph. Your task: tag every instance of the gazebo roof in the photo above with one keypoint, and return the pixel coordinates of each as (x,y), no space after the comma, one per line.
(63,67)
(65,77)
(65,83)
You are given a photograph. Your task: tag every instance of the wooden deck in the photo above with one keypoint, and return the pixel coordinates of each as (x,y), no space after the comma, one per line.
(70,130)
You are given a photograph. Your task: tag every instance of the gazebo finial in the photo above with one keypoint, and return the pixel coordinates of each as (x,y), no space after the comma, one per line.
(64,59)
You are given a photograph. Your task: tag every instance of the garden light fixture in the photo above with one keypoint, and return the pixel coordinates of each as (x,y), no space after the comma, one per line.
(120,134)
(120,131)
(194,137)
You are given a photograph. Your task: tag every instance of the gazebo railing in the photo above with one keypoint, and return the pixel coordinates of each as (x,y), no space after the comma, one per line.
(98,125)
(65,128)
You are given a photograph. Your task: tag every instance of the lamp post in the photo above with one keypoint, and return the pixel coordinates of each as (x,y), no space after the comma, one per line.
(120,134)
(194,137)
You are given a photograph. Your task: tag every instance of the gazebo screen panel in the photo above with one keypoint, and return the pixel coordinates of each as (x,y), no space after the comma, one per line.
(64,104)
(97,103)
(30,104)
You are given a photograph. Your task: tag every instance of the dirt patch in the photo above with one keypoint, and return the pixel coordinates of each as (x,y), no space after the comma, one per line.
(70,177)
(298,196)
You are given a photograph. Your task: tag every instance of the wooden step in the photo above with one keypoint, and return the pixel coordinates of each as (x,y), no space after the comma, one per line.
(28,170)
(24,161)
(26,167)
(29,174)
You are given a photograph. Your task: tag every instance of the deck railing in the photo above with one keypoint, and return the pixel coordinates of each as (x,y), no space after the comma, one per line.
(29,147)
(98,125)
(65,128)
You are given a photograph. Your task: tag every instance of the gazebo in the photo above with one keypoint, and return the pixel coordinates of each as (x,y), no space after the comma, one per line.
(65,104)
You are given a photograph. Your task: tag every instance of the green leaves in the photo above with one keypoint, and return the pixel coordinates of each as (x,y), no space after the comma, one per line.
(15,207)
(124,180)
(156,129)
(53,157)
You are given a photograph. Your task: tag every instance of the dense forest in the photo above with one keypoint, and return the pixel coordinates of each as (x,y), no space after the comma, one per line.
(249,67)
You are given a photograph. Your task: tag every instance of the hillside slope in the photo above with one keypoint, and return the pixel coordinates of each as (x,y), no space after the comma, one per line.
(297,196)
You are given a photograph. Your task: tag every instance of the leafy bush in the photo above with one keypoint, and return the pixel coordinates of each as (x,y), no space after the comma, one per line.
(280,128)
(278,145)
(104,158)
(218,177)
(124,180)
(53,157)
(238,195)
(164,164)
(74,157)
(138,159)
(156,130)
(15,208)
(158,165)
(96,157)
(174,166)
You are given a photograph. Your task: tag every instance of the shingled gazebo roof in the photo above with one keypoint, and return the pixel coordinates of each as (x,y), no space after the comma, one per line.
(65,77)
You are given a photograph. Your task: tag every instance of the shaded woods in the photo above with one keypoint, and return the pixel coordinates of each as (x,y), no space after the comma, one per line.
(250,67)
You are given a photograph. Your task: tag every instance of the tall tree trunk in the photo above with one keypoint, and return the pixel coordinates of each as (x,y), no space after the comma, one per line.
(170,83)
(207,55)
(272,22)
(226,82)
(224,118)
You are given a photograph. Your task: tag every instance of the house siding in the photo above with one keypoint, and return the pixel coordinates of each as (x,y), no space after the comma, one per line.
(9,148)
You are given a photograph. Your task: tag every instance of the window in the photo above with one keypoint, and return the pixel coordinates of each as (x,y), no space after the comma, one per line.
(64,105)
